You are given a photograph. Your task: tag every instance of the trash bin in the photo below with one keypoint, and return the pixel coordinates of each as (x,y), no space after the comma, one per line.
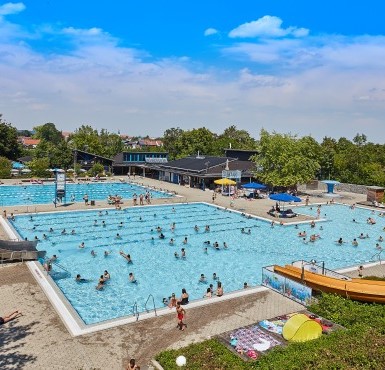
(92,202)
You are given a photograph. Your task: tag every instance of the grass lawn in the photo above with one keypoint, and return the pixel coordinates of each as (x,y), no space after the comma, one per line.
(361,346)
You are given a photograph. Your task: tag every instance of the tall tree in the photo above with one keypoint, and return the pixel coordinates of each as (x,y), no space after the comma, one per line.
(86,138)
(196,140)
(283,160)
(172,141)
(112,144)
(5,168)
(39,167)
(48,132)
(9,146)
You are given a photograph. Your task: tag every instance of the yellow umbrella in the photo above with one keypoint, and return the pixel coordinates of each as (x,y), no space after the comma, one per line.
(225,182)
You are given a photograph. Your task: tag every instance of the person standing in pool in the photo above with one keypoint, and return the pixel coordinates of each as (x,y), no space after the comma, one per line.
(172,302)
(131,278)
(219,289)
(184,297)
(101,282)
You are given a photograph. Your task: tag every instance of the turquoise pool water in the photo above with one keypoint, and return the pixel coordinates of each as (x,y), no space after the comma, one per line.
(154,265)
(42,194)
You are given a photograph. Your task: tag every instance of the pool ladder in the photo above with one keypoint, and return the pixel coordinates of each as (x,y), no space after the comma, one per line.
(377,256)
(153,303)
(135,310)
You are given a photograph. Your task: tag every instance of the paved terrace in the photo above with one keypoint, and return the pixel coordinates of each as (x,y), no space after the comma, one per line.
(39,340)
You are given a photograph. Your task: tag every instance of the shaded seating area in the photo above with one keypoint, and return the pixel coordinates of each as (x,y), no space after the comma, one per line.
(14,251)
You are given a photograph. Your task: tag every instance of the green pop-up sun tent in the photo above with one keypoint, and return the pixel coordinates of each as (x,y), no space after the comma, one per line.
(300,328)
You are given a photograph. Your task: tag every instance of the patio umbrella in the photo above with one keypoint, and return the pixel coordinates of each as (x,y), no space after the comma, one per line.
(254,185)
(284,197)
(225,181)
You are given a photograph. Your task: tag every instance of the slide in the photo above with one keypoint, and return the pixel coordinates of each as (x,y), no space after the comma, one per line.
(357,289)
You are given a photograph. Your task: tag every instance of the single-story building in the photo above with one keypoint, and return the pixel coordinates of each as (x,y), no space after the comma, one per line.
(201,171)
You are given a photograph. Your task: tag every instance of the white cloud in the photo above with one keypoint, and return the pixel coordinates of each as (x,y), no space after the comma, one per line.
(267,26)
(94,31)
(210,31)
(11,8)
(321,85)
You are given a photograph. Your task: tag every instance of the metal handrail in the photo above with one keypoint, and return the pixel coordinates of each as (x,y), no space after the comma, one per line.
(60,266)
(378,255)
(135,310)
(153,302)
(4,256)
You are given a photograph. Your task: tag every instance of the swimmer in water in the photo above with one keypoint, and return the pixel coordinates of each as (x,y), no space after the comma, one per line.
(79,279)
(131,277)
(126,256)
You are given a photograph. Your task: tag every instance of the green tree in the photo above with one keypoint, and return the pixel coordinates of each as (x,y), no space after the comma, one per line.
(59,155)
(96,169)
(5,168)
(112,144)
(284,160)
(172,141)
(196,140)
(87,139)
(49,133)
(9,146)
(39,167)
(238,139)
(360,139)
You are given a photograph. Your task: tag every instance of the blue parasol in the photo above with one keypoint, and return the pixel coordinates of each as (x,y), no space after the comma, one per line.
(284,197)
(254,185)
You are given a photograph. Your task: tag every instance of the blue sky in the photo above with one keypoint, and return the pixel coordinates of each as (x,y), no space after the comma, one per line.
(143,67)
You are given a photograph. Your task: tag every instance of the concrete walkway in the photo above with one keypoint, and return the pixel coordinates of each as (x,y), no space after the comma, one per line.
(39,340)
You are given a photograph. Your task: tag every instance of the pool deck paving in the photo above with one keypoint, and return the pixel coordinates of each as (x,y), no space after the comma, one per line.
(39,339)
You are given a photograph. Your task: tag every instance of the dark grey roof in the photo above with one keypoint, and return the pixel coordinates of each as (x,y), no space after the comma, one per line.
(28,158)
(196,164)
(244,166)
(78,151)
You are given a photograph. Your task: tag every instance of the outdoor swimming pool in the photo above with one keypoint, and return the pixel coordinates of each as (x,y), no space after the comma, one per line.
(45,193)
(154,265)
